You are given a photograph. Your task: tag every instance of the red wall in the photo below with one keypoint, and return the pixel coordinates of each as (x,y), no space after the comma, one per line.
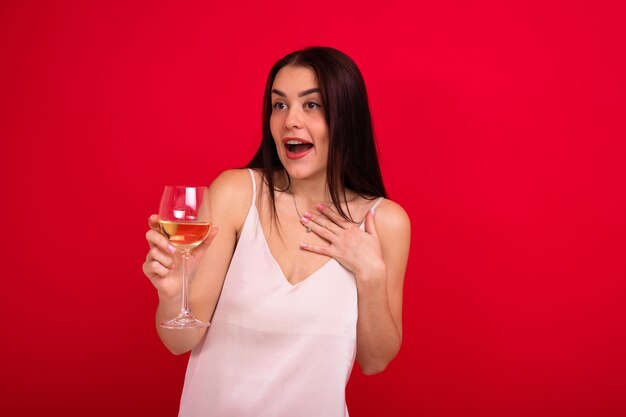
(501,131)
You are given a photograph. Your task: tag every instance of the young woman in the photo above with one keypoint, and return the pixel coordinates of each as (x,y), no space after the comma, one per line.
(306,272)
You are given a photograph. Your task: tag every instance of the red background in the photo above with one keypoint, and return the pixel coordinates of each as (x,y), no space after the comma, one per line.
(501,130)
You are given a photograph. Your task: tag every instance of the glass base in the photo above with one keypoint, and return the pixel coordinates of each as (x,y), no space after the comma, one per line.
(184,321)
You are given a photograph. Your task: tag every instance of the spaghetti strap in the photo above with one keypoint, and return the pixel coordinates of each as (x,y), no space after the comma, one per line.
(376,203)
(253,186)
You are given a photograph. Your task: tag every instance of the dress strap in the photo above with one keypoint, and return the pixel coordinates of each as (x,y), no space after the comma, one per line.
(376,203)
(253,186)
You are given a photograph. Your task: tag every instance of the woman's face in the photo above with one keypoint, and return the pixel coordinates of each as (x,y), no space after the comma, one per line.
(298,122)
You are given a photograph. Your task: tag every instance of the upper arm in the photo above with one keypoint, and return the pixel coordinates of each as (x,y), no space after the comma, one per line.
(230,196)
(394,232)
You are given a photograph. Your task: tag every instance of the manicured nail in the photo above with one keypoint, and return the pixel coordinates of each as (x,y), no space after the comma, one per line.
(307,215)
(171,248)
(304,245)
(321,206)
(304,219)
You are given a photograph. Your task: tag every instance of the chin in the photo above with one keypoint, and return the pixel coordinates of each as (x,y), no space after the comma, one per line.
(297,172)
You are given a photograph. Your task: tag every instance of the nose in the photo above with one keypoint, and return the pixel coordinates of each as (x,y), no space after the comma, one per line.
(293,120)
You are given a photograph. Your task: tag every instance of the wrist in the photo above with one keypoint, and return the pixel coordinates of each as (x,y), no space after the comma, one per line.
(373,273)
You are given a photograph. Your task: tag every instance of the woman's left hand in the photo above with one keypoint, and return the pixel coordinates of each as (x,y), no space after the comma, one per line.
(357,250)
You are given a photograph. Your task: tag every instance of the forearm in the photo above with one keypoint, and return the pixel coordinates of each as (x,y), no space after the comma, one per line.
(178,341)
(378,336)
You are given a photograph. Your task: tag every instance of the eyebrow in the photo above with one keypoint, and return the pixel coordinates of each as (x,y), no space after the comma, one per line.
(300,94)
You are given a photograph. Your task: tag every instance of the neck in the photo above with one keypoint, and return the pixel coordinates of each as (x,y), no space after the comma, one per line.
(308,191)
(311,191)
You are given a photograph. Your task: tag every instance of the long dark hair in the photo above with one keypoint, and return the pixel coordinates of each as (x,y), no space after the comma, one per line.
(352,158)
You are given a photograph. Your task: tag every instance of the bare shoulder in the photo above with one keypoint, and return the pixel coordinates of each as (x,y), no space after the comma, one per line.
(230,181)
(394,233)
(231,195)
(392,218)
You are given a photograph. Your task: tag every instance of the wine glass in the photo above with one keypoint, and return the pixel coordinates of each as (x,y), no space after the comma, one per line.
(185,219)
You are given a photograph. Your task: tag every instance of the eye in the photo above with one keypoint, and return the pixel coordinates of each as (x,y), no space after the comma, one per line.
(311,105)
(279,105)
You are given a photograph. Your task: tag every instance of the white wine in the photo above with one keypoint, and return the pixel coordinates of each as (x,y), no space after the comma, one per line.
(185,235)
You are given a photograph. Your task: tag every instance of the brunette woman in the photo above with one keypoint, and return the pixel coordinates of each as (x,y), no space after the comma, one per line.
(306,273)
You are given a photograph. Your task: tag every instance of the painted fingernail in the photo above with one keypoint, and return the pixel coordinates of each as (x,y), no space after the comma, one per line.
(321,206)
(304,219)
(307,215)
(304,245)
(171,248)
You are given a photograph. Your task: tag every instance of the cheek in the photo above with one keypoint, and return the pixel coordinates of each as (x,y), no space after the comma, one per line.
(322,134)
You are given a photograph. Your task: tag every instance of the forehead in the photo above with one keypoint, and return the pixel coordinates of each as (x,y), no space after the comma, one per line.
(294,79)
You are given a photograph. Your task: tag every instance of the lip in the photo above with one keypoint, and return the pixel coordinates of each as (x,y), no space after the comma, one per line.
(300,155)
(287,139)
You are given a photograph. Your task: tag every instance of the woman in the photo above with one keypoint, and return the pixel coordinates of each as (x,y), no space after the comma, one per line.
(307,270)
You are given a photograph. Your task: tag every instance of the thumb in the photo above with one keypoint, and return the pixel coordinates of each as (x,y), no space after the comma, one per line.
(370,224)
(206,242)
(153,222)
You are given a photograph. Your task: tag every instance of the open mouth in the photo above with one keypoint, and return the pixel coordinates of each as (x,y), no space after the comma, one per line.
(296,147)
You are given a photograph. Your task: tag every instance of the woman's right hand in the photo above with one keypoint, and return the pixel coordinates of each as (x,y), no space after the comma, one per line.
(163,262)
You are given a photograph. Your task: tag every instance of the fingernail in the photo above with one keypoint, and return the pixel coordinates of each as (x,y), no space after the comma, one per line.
(173,266)
(321,206)
(304,245)
(373,211)
(307,215)
(171,248)
(304,219)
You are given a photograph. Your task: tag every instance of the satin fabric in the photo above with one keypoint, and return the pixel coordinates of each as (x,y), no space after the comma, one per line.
(274,349)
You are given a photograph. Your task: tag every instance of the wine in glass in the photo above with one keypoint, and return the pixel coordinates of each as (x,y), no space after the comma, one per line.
(185,219)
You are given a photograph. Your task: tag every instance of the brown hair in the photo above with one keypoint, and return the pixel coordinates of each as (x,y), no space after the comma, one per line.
(352,156)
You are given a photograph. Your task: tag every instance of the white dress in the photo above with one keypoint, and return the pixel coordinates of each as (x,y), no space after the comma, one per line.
(274,349)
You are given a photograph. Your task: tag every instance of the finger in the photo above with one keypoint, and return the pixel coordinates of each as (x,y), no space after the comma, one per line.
(322,221)
(333,215)
(156,254)
(153,222)
(319,230)
(155,238)
(321,250)
(155,269)
(370,223)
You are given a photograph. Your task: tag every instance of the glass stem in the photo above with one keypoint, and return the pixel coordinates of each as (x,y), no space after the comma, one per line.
(184,309)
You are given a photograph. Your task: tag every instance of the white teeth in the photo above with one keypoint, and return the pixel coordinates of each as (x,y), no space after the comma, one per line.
(295,142)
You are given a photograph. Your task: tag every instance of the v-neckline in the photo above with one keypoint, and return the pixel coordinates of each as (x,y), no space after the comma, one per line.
(271,255)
